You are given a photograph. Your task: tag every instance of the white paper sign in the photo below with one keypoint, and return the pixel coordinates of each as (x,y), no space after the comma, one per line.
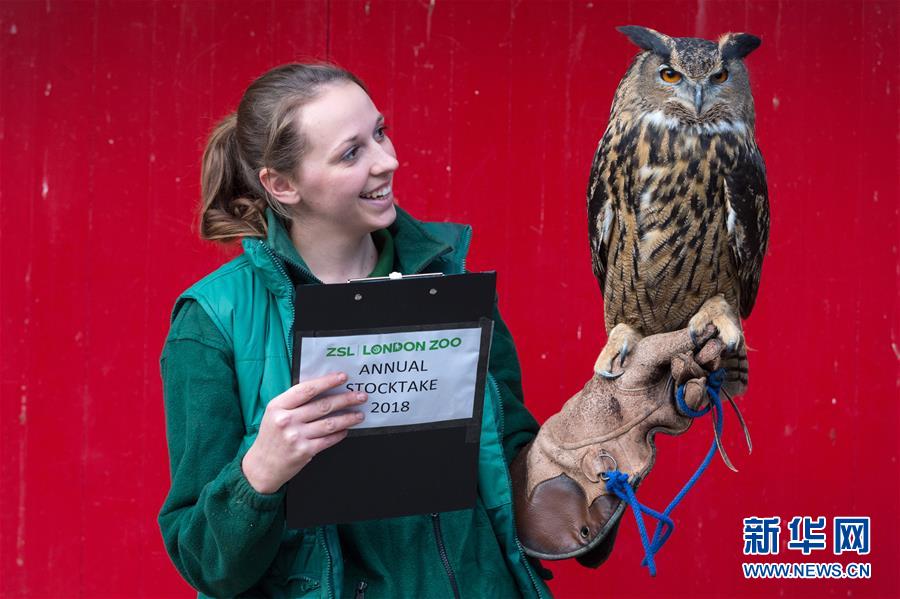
(410,378)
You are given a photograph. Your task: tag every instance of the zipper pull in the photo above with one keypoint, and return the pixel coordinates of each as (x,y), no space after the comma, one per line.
(361,590)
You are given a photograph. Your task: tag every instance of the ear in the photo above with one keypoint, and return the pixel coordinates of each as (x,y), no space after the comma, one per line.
(279,187)
(648,39)
(737,45)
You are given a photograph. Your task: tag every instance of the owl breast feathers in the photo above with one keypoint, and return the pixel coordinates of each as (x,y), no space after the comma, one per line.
(677,199)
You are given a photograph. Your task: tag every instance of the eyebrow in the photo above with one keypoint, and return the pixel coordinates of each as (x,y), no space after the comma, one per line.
(378,121)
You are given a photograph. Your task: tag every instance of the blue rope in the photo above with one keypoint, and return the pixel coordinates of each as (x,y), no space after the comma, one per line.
(618,481)
(618,484)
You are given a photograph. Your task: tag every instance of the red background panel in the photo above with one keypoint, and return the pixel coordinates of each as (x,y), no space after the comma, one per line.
(495,109)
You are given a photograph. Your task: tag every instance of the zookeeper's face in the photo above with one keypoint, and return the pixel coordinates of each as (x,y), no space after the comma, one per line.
(345,176)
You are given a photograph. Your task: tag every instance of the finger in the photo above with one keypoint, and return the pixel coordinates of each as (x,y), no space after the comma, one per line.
(695,394)
(323,443)
(325,405)
(335,423)
(305,391)
(709,354)
(659,349)
(684,368)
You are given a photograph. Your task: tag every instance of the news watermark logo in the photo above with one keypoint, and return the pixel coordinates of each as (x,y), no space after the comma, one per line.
(807,535)
(851,535)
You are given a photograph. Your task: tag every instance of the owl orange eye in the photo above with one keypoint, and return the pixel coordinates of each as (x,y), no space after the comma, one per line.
(670,75)
(720,77)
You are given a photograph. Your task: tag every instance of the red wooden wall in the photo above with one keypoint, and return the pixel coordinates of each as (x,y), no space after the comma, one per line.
(495,108)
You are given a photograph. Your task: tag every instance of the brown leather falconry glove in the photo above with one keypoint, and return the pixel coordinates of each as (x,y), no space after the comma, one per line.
(563,508)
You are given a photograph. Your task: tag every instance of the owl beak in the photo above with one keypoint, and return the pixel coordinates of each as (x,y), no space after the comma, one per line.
(698,99)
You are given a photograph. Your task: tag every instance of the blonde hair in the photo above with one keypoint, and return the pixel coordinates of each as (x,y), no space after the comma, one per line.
(261,134)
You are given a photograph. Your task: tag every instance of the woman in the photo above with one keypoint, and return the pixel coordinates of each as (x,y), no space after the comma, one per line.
(303,173)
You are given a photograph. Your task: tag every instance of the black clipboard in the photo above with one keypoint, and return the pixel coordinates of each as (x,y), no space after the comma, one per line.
(402,470)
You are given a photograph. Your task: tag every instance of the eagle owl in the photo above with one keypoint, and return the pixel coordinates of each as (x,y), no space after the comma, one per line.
(678,210)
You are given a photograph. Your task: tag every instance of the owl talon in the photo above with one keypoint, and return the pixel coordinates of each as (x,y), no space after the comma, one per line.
(716,313)
(610,375)
(622,338)
(694,339)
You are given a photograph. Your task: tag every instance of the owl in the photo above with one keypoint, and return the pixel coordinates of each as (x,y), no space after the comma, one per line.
(678,212)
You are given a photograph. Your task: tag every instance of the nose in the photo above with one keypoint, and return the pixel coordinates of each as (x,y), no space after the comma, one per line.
(385,161)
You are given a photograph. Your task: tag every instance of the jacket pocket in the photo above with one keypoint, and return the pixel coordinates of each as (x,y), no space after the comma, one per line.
(297,568)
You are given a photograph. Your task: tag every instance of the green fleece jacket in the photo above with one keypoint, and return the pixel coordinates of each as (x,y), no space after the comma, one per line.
(228,540)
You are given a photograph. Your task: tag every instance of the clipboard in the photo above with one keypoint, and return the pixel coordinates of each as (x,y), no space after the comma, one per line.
(415,467)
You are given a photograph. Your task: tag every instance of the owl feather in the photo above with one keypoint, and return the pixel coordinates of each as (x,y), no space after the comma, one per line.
(678,213)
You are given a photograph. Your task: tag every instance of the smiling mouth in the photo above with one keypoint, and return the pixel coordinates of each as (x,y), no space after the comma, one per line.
(377,193)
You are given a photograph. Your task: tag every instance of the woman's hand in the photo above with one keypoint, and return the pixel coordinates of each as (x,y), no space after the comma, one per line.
(296,426)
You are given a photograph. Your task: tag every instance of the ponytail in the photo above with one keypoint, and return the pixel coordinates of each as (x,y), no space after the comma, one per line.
(229,210)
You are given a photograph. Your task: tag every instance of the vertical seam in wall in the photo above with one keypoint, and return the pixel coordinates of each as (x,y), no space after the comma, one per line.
(328,30)
(83,395)
(148,259)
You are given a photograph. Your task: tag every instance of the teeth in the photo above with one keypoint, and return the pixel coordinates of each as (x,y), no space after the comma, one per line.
(376,195)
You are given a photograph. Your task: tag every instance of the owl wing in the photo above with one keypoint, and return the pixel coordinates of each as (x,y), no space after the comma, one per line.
(600,205)
(747,203)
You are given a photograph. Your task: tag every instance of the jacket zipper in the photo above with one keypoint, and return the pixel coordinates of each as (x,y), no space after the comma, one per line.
(305,271)
(280,267)
(435,517)
(361,590)
(439,538)
(467,239)
(290,344)
(525,561)
(329,583)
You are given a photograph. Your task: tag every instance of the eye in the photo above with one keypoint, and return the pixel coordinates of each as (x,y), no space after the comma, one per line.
(669,75)
(720,77)
(350,154)
(381,133)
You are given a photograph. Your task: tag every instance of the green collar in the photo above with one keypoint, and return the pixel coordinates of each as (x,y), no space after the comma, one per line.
(280,240)
(384,242)
(406,247)
(415,248)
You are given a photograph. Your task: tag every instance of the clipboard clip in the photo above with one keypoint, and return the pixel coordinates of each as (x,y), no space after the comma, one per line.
(396,276)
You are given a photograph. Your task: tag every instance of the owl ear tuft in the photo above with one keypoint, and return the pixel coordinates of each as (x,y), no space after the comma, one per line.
(646,38)
(737,45)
